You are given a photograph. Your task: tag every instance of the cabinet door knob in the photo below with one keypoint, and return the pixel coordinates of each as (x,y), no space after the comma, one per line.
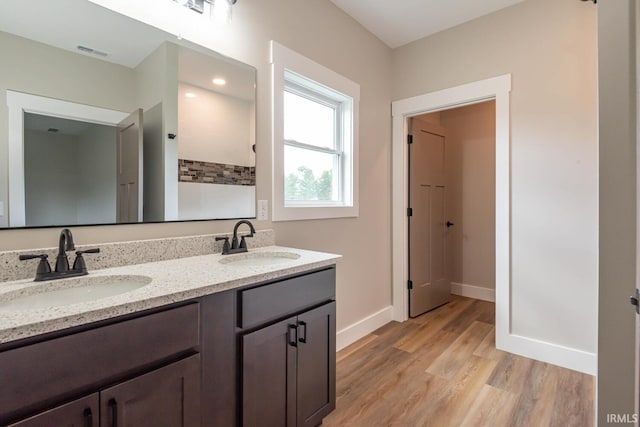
(303,334)
(293,335)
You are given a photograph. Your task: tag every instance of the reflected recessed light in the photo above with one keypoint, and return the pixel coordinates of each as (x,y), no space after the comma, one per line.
(190,95)
(219,81)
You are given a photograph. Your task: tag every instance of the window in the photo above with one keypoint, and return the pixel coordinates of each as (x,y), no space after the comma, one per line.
(314,140)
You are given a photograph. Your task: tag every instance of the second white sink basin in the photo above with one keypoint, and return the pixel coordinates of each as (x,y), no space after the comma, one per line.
(259,258)
(71,291)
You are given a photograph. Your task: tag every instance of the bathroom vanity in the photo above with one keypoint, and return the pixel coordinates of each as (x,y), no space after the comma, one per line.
(240,341)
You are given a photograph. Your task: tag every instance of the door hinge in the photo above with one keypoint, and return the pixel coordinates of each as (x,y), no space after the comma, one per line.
(410,284)
(409,211)
(409,139)
(635,300)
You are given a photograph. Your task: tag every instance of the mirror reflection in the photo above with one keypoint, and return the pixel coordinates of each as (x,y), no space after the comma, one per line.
(103,126)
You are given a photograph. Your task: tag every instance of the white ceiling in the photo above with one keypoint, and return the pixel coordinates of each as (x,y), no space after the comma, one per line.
(66,24)
(398,22)
(69,23)
(64,126)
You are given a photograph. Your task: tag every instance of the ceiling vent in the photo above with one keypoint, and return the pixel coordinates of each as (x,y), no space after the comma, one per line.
(91,51)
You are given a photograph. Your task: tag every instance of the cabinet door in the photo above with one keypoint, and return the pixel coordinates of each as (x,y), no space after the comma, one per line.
(316,392)
(169,396)
(79,413)
(269,376)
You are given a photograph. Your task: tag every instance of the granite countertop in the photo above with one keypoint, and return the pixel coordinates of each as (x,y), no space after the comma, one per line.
(171,281)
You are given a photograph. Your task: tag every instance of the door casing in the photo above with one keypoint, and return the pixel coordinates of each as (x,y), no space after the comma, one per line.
(498,89)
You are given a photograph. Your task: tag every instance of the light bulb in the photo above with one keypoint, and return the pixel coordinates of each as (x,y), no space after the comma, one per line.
(221,10)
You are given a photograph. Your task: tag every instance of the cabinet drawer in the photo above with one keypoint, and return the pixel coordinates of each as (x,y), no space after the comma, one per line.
(276,300)
(41,374)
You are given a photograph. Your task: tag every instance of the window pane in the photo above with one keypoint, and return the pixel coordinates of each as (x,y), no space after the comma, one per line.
(310,175)
(308,121)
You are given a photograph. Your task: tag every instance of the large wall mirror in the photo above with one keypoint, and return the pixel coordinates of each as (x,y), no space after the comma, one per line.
(106,120)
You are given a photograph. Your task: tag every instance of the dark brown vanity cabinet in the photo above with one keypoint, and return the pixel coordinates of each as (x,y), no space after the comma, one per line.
(140,370)
(288,370)
(261,355)
(79,413)
(167,396)
(288,365)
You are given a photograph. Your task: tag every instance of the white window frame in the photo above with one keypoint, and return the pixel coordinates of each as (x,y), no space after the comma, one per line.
(289,66)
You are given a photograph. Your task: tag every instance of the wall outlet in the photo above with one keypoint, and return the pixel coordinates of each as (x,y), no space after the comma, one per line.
(263,210)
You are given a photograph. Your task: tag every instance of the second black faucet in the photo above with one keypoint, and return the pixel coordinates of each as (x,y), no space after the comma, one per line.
(236,247)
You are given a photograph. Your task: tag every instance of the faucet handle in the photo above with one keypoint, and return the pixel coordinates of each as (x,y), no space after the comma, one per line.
(225,246)
(43,266)
(32,256)
(79,264)
(243,243)
(89,251)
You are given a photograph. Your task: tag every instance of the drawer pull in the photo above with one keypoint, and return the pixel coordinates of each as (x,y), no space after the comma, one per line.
(293,335)
(88,417)
(303,335)
(113,406)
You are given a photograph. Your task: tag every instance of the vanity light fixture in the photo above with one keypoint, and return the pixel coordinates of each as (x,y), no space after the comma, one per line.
(219,10)
(219,81)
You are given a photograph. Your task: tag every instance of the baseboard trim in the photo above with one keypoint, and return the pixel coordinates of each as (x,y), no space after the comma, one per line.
(471,291)
(566,357)
(361,328)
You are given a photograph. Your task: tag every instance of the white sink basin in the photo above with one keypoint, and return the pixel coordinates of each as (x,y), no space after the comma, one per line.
(71,291)
(251,259)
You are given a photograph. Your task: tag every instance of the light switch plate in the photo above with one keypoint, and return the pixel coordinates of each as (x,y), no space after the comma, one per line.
(1,208)
(263,210)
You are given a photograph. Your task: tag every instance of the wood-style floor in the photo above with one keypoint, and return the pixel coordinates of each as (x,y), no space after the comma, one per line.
(442,369)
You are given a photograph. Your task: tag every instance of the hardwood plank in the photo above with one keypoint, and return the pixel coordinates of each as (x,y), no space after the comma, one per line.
(453,358)
(451,403)
(360,395)
(487,347)
(371,352)
(512,373)
(355,347)
(434,321)
(442,369)
(535,403)
(476,311)
(492,407)
(573,405)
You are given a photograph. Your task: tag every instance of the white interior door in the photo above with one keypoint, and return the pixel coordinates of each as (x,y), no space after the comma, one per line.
(429,286)
(129,193)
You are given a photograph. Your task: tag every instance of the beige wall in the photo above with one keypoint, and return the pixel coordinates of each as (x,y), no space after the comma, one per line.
(472,159)
(549,47)
(617,157)
(470,204)
(320,31)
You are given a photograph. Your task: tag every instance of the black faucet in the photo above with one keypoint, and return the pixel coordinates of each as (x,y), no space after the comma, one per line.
(62,270)
(236,248)
(65,243)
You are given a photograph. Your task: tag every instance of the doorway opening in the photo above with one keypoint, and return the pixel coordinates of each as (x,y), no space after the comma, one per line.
(496,89)
(19,105)
(451,206)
